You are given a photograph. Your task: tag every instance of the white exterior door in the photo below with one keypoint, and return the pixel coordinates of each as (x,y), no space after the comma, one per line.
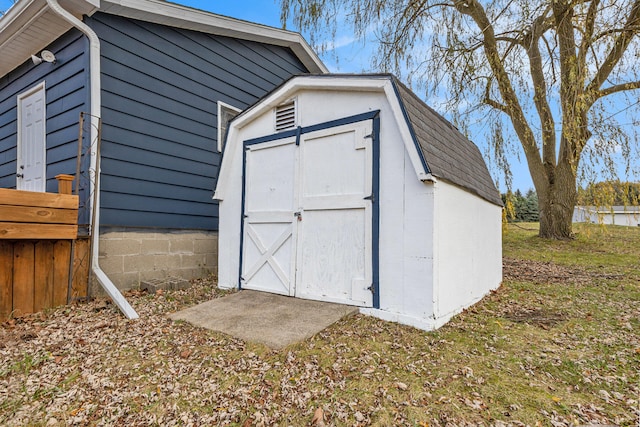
(31,169)
(268,262)
(308,215)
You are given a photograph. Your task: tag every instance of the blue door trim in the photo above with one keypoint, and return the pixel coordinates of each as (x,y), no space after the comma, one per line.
(244,193)
(375,202)
(320,126)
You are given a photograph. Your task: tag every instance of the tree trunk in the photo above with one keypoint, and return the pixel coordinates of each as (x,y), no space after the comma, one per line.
(556,203)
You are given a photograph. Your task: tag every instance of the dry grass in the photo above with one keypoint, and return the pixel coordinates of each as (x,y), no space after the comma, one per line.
(557,344)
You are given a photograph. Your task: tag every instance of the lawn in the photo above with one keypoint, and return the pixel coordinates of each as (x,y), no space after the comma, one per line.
(557,344)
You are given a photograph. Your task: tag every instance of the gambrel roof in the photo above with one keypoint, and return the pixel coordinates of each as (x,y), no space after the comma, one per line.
(436,148)
(448,154)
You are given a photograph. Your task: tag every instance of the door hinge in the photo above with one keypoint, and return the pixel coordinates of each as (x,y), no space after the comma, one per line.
(298,133)
(372,289)
(369,136)
(373,199)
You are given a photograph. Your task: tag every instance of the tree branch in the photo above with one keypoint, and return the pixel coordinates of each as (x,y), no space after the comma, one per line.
(617,88)
(492,102)
(587,36)
(540,93)
(617,50)
(512,107)
(571,86)
(409,16)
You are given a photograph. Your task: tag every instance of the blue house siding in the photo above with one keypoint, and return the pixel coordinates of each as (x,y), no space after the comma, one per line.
(66,97)
(160,88)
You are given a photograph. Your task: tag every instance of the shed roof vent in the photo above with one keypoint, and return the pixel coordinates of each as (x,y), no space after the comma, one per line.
(286,116)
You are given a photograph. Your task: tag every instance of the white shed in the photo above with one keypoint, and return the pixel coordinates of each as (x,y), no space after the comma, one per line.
(349,189)
(610,215)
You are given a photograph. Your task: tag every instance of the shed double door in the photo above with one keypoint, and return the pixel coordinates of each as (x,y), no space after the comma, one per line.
(307,229)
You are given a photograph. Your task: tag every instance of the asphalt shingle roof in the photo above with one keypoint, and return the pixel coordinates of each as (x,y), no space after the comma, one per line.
(448,154)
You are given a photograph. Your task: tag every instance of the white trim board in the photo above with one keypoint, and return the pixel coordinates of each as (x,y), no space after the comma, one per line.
(221,136)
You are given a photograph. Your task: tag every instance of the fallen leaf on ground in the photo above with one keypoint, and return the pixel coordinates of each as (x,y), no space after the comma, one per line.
(318,418)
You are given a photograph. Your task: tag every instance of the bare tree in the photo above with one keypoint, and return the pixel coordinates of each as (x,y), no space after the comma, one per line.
(550,72)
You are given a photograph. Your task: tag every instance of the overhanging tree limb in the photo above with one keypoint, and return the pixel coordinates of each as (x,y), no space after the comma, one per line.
(615,54)
(540,92)
(617,88)
(587,35)
(474,9)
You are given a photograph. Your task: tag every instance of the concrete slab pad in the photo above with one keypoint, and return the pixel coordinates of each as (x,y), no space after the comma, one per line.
(270,319)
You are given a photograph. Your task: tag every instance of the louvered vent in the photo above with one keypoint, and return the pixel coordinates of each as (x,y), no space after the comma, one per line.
(286,116)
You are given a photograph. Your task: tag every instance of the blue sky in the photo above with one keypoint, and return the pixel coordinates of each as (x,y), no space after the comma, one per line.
(352,57)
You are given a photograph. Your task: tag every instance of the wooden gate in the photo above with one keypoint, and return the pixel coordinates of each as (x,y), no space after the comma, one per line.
(42,262)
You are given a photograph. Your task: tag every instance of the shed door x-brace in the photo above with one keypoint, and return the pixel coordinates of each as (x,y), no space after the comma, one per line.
(310,213)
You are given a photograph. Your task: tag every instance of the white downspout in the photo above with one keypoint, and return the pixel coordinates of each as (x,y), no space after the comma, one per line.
(94,82)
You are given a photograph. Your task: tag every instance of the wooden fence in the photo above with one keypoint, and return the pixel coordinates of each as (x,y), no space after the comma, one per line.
(42,262)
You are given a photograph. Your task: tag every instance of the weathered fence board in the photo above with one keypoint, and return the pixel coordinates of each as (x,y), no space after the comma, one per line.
(15,230)
(35,199)
(23,277)
(62,257)
(6,279)
(32,215)
(34,275)
(79,285)
(11,213)
(38,233)
(43,275)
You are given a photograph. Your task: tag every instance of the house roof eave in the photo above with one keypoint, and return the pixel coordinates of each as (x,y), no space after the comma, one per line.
(30,25)
(175,15)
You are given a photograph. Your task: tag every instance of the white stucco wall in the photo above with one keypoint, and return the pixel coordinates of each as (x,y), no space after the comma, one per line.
(468,254)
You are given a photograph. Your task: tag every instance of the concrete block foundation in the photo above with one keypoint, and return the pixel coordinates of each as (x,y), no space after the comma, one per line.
(172,283)
(130,257)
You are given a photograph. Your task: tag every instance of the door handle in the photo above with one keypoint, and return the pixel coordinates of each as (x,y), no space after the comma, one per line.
(298,215)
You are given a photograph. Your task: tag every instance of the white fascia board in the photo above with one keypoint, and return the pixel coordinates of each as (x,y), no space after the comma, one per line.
(407,136)
(165,13)
(19,13)
(83,6)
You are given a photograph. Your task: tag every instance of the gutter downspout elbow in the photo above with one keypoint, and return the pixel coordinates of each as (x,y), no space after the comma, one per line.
(95,106)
